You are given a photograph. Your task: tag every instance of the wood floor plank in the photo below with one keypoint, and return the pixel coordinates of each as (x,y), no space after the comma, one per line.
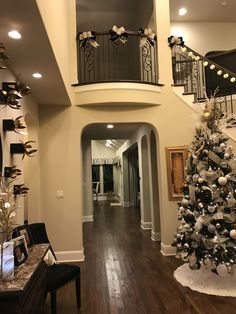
(125,273)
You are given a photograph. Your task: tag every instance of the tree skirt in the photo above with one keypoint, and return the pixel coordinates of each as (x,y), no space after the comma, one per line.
(206,281)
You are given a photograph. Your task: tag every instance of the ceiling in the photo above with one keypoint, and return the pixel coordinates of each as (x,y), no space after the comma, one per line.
(204,10)
(33,53)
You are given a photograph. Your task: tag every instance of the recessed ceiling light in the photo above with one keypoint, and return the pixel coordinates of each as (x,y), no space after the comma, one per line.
(223,3)
(110,126)
(14,34)
(37,75)
(182,11)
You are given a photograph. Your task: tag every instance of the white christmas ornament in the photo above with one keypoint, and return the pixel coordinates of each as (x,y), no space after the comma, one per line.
(200,180)
(233,233)
(222,180)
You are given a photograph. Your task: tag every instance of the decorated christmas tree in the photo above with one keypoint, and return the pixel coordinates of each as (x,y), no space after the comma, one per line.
(206,236)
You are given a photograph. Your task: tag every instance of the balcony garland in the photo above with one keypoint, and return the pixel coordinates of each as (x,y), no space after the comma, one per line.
(117,34)
(177,42)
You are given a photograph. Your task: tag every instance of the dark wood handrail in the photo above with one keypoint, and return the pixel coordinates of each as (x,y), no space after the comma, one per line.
(210,62)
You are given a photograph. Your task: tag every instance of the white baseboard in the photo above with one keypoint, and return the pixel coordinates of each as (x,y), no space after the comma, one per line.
(70,256)
(146,225)
(87,218)
(156,236)
(126,204)
(168,250)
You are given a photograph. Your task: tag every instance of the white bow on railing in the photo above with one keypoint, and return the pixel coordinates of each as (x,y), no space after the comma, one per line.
(88,36)
(118,33)
(147,34)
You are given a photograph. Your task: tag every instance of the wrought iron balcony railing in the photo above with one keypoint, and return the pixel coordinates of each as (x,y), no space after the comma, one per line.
(114,61)
(201,76)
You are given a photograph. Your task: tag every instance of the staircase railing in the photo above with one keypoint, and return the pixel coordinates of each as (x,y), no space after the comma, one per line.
(195,72)
(113,60)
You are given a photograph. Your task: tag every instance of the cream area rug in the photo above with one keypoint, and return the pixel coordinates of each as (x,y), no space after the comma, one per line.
(206,281)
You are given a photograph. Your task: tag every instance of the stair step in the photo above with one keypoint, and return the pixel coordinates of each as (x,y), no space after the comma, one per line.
(189,93)
(177,85)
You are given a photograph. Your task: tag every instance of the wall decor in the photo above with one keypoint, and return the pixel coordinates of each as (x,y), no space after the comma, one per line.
(175,163)
(20,189)
(16,125)
(11,172)
(23,148)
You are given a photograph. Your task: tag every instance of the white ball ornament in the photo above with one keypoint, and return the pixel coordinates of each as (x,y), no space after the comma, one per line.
(233,233)
(195,177)
(226,156)
(222,145)
(185,202)
(200,180)
(222,180)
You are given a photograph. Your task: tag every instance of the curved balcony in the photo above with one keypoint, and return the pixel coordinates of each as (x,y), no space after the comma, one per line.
(115,61)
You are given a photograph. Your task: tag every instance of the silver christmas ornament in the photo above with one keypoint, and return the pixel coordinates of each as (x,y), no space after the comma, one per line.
(211,228)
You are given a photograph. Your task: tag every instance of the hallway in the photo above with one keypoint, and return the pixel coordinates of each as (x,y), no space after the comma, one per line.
(124,272)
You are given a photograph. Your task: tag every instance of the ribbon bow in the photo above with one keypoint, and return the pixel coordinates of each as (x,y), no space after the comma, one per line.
(88,37)
(118,33)
(146,35)
(175,41)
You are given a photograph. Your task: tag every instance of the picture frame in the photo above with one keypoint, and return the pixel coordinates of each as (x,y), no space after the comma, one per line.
(20,250)
(175,163)
(24,230)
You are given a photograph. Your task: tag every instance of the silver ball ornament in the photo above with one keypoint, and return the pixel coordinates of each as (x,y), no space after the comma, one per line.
(211,228)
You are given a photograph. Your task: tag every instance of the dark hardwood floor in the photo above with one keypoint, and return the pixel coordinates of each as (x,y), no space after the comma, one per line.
(125,273)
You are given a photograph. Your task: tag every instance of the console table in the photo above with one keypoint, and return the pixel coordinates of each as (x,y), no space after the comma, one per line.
(26,293)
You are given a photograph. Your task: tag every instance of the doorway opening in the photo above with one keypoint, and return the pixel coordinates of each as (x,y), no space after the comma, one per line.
(121,162)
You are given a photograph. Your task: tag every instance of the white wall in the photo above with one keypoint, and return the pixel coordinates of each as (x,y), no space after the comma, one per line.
(99,150)
(205,37)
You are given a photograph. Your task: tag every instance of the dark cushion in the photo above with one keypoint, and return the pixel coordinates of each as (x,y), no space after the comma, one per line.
(60,274)
(38,233)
